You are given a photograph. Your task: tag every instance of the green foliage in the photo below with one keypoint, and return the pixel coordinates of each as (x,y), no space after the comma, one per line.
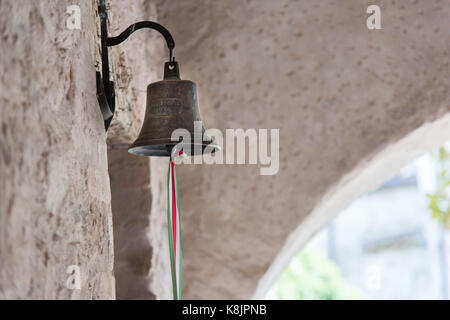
(440,200)
(312,275)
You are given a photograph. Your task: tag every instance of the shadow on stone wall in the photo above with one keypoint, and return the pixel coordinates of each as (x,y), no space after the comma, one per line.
(131,204)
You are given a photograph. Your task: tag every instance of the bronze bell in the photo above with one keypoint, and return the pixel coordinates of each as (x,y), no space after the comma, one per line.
(171,104)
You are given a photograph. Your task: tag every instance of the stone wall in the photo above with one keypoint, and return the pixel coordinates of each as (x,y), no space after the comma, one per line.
(55,198)
(56,193)
(138,234)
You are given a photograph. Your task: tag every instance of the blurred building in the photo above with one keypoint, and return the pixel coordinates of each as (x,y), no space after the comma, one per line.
(387,243)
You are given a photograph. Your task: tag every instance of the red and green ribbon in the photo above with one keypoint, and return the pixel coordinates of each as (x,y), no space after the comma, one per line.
(174,227)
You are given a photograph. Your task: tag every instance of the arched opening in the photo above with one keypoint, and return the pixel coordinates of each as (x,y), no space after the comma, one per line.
(366,178)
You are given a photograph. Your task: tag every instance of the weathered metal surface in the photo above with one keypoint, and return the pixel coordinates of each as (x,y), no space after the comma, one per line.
(171,104)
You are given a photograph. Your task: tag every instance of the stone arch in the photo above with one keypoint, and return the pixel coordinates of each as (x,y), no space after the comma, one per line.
(346,99)
(365,177)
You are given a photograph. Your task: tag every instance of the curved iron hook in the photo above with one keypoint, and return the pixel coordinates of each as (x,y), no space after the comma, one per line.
(112,41)
(105,87)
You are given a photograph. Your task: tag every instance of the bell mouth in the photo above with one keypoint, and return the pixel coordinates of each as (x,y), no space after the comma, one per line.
(163,148)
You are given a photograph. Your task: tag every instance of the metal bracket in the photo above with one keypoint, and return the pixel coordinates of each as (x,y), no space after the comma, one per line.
(105,87)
